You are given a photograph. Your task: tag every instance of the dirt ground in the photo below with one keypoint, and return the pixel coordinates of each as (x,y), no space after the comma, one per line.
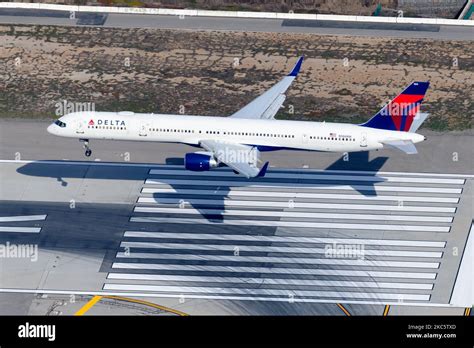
(215,73)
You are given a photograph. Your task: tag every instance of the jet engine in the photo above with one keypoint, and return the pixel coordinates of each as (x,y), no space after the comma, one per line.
(200,161)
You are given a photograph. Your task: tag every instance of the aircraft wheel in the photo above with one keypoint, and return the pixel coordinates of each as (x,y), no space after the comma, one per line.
(88,153)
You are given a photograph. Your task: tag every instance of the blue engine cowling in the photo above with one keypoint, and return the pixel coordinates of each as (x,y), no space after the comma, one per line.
(199,161)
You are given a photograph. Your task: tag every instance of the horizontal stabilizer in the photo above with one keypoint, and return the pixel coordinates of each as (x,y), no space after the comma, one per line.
(417,121)
(403,145)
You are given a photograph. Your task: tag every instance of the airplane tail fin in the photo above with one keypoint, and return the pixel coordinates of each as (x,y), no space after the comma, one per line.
(399,114)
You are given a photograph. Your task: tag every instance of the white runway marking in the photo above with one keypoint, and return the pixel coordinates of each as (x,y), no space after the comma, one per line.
(22,218)
(273,270)
(296,224)
(273,249)
(287,214)
(237,193)
(278,204)
(270,281)
(289,260)
(20,229)
(260,184)
(269,292)
(286,239)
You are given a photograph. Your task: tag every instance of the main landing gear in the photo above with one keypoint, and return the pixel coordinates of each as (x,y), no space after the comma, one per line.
(88,152)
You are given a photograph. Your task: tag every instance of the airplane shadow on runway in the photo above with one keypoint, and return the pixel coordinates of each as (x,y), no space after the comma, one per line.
(356,161)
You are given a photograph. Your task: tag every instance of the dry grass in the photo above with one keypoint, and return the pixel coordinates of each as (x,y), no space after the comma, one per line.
(196,69)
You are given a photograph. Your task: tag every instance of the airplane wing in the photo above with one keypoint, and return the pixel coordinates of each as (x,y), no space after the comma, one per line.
(267,105)
(241,158)
(403,145)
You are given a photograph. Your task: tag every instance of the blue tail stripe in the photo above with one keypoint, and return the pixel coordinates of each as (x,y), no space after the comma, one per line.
(416,88)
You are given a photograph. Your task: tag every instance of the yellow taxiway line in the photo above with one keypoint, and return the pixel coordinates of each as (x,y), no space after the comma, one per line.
(88,305)
(344,309)
(146,303)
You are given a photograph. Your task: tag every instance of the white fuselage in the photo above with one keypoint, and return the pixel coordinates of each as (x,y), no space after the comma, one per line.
(266,134)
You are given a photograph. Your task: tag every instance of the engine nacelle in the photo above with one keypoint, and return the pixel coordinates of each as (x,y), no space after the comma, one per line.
(200,161)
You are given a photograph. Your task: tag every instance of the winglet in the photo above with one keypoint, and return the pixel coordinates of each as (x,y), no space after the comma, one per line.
(263,171)
(297,67)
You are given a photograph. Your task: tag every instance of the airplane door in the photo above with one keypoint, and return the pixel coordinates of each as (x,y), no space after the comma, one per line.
(305,138)
(143,130)
(363,139)
(80,127)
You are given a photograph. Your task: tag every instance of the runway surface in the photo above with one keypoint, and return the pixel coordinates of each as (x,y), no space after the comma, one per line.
(160,231)
(43,17)
(396,243)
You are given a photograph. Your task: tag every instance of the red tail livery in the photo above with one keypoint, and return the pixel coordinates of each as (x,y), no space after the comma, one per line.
(398,115)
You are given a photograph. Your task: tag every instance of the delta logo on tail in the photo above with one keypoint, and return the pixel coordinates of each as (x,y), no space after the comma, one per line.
(398,115)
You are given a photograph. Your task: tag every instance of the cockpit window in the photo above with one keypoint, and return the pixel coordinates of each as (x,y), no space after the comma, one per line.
(60,124)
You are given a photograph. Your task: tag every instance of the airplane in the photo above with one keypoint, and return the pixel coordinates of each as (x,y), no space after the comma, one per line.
(237,141)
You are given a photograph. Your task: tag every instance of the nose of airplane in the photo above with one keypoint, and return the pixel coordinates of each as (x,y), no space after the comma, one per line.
(50,128)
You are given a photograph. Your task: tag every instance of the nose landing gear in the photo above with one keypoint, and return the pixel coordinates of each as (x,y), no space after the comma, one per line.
(88,152)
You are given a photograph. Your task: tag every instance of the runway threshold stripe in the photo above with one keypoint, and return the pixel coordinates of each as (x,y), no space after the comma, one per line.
(295,224)
(22,218)
(7,229)
(274,249)
(296,205)
(268,292)
(244,193)
(220,212)
(260,184)
(286,239)
(273,270)
(278,260)
(314,176)
(269,281)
